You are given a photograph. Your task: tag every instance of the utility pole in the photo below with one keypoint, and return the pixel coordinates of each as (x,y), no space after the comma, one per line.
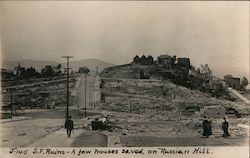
(155,109)
(67,108)
(85,99)
(97,71)
(89,98)
(11,106)
(129,72)
(129,104)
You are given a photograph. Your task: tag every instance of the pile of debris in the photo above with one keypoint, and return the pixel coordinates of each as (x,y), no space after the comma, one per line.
(44,94)
(151,96)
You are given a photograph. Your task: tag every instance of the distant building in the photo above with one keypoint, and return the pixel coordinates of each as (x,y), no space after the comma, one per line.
(136,59)
(206,73)
(19,71)
(193,72)
(165,61)
(205,69)
(232,81)
(6,74)
(149,60)
(184,62)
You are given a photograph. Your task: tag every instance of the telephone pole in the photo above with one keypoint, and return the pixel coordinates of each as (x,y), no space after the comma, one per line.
(11,105)
(85,97)
(96,72)
(67,108)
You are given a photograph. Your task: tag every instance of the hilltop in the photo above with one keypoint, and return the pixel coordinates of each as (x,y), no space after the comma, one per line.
(90,63)
(39,64)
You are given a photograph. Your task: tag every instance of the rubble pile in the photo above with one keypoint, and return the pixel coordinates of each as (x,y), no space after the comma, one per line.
(40,94)
(141,96)
(167,109)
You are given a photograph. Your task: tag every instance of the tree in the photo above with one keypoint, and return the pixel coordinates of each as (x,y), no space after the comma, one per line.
(58,69)
(59,66)
(84,70)
(173,60)
(244,82)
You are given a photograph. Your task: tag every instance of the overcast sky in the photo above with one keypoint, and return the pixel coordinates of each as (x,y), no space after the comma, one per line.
(216,33)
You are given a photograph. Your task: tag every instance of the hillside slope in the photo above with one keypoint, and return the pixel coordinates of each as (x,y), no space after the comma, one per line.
(145,95)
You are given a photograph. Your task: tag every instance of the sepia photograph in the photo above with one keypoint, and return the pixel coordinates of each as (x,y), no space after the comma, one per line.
(124,77)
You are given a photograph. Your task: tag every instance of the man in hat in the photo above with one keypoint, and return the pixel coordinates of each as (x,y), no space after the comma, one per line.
(224,127)
(69,125)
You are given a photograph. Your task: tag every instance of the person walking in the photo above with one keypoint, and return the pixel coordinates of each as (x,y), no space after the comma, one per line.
(224,127)
(69,126)
(210,126)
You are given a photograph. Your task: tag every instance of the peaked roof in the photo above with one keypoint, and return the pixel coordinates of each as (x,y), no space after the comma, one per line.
(164,56)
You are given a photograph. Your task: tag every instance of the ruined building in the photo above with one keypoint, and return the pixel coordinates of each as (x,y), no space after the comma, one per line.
(232,81)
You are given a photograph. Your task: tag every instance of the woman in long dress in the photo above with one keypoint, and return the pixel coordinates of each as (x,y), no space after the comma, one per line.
(224,127)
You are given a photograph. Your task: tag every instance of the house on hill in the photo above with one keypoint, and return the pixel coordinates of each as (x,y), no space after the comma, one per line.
(149,60)
(6,74)
(233,82)
(166,61)
(184,62)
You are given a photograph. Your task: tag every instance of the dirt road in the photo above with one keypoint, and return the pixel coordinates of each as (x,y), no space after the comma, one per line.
(45,127)
(36,125)
(89,91)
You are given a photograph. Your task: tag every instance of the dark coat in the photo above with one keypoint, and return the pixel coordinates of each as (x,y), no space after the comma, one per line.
(210,127)
(224,127)
(206,129)
(69,124)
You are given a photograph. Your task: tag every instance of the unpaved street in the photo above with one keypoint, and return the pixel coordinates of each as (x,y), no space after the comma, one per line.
(45,127)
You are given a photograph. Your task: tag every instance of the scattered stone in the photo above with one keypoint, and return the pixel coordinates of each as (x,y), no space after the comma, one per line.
(21,134)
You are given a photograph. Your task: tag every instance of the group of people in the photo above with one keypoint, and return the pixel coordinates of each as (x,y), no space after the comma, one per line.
(207,127)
